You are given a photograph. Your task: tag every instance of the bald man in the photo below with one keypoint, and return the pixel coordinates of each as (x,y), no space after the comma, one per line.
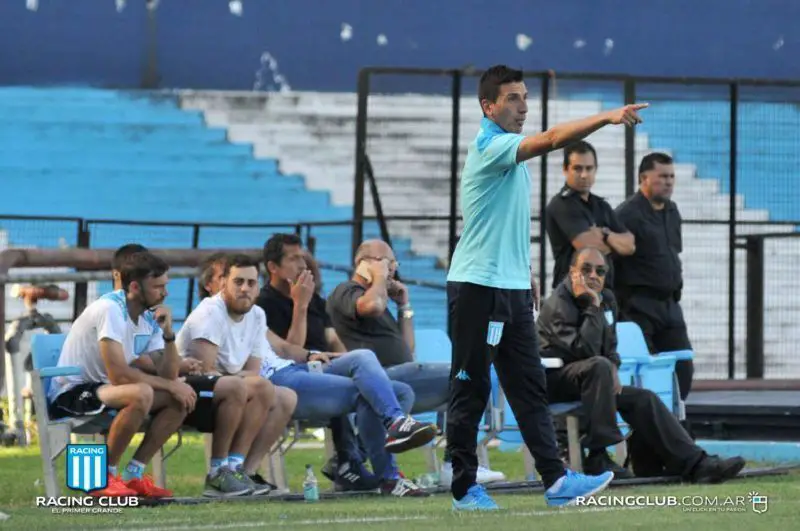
(577,323)
(361,318)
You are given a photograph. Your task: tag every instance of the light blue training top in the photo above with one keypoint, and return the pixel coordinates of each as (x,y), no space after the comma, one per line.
(495,245)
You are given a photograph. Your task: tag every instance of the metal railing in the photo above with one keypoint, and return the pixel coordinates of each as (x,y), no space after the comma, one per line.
(723,150)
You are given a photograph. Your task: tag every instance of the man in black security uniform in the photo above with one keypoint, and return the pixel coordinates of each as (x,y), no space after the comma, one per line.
(577,324)
(576,218)
(649,282)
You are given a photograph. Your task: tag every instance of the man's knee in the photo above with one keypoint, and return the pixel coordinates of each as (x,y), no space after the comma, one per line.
(600,367)
(364,357)
(143,398)
(262,390)
(285,400)
(230,389)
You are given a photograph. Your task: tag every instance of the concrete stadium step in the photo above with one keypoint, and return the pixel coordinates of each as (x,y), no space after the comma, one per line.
(181,132)
(142,163)
(130,118)
(110,147)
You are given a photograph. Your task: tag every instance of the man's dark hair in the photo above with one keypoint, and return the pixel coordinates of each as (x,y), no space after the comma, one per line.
(650,160)
(274,248)
(580,147)
(207,271)
(124,252)
(239,260)
(493,78)
(140,266)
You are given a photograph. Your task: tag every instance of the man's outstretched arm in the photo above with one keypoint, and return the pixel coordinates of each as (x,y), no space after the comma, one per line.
(561,135)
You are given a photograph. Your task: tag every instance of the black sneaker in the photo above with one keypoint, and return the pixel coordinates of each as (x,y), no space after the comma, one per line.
(353,476)
(713,469)
(407,433)
(262,486)
(329,468)
(402,487)
(600,462)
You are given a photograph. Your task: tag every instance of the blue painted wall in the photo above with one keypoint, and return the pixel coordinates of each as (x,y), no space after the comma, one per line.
(202,45)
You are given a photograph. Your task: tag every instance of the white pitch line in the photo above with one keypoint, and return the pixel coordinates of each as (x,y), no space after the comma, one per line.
(384,519)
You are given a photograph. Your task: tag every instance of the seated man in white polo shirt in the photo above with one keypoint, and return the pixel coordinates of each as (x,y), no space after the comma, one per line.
(229,339)
(107,340)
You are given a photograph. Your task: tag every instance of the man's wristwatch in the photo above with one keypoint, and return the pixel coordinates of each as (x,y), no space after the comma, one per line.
(168,339)
(406,312)
(606,234)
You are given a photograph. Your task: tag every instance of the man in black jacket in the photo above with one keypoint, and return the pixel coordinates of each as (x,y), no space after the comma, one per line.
(577,324)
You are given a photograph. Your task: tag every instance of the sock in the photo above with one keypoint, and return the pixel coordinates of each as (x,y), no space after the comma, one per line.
(216,464)
(113,471)
(235,461)
(135,469)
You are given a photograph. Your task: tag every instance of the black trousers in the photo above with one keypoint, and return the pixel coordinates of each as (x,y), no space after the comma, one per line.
(476,315)
(664,328)
(659,445)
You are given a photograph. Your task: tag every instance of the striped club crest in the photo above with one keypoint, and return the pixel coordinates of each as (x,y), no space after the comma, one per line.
(87,466)
(495,333)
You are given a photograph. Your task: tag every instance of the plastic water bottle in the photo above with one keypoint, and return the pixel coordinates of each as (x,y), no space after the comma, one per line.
(310,486)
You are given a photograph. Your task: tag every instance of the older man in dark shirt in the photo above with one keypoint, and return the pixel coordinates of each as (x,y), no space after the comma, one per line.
(577,324)
(649,282)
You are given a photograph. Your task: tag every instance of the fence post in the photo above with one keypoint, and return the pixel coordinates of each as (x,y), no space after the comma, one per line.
(81,288)
(361,155)
(732,162)
(454,148)
(195,244)
(545,104)
(755,307)
(630,141)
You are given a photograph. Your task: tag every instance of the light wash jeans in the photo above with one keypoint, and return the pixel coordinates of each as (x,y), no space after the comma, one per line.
(431,385)
(430,382)
(353,382)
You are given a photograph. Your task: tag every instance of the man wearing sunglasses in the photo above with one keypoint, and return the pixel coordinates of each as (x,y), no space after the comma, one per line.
(578,324)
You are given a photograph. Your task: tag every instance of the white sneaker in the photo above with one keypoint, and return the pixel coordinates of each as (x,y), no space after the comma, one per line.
(485,475)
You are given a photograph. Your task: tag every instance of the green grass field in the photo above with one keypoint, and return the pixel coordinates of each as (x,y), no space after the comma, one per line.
(20,483)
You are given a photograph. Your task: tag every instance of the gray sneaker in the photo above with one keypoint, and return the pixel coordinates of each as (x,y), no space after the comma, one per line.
(255,488)
(224,484)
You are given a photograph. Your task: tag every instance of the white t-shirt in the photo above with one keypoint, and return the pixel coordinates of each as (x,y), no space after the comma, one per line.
(105,318)
(237,341)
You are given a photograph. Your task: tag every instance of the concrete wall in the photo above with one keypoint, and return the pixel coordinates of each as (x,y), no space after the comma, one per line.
(201,44)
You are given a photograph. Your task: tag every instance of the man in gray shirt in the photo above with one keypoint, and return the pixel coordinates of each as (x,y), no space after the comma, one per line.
(360,315)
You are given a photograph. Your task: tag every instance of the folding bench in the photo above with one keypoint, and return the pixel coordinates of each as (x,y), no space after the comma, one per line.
(55,435)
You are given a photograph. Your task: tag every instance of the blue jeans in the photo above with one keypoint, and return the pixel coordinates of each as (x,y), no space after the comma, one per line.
(431,385)
(430,382)
(354,382)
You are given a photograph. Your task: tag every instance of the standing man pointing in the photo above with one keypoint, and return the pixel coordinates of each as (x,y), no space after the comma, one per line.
(489,291)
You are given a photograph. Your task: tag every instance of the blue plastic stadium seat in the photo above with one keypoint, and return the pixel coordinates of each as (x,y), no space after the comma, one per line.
(656,373)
